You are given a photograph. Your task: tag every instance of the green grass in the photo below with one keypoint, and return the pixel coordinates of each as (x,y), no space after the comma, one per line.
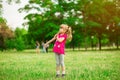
(80,65)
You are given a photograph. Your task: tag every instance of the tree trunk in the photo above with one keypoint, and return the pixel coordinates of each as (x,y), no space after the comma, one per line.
(117,43)
(73,46)
(79,46)
(91,44)
(2,44)
(85,38)
(85,44)
(72,43)
(99,39)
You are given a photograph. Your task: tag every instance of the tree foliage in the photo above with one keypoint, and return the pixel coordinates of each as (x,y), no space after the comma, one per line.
(5,32)
(86,17)
(94,22)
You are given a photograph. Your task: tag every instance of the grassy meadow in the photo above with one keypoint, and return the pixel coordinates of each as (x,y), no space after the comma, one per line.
(80,65)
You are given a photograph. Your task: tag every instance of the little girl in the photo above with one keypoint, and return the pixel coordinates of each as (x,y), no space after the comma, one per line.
(64,33)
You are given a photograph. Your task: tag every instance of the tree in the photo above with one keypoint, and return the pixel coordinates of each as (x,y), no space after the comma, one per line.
(19,41)
(5,32)
(113,8)
(45,23)
(97,16)
(86,17)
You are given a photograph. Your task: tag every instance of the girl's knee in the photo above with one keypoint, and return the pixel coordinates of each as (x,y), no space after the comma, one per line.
(57,64)
(62,64)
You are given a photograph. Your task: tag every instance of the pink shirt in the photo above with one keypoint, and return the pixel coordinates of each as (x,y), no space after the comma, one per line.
(60,46)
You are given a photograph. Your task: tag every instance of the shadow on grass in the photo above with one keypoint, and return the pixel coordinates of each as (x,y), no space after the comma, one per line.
(33,51)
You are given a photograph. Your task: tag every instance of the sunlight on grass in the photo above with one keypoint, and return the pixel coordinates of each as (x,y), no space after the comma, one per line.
(83,65)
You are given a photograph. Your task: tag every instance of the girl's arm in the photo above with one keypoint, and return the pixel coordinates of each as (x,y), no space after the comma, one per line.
(50,41)
(54,38)
(60,39)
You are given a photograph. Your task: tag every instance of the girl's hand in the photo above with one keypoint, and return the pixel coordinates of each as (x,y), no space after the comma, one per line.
(45,45)
(54,38)
(60,39)
(56,35)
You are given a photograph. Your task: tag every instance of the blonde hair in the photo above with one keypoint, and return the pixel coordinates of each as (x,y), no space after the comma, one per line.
(68,31)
